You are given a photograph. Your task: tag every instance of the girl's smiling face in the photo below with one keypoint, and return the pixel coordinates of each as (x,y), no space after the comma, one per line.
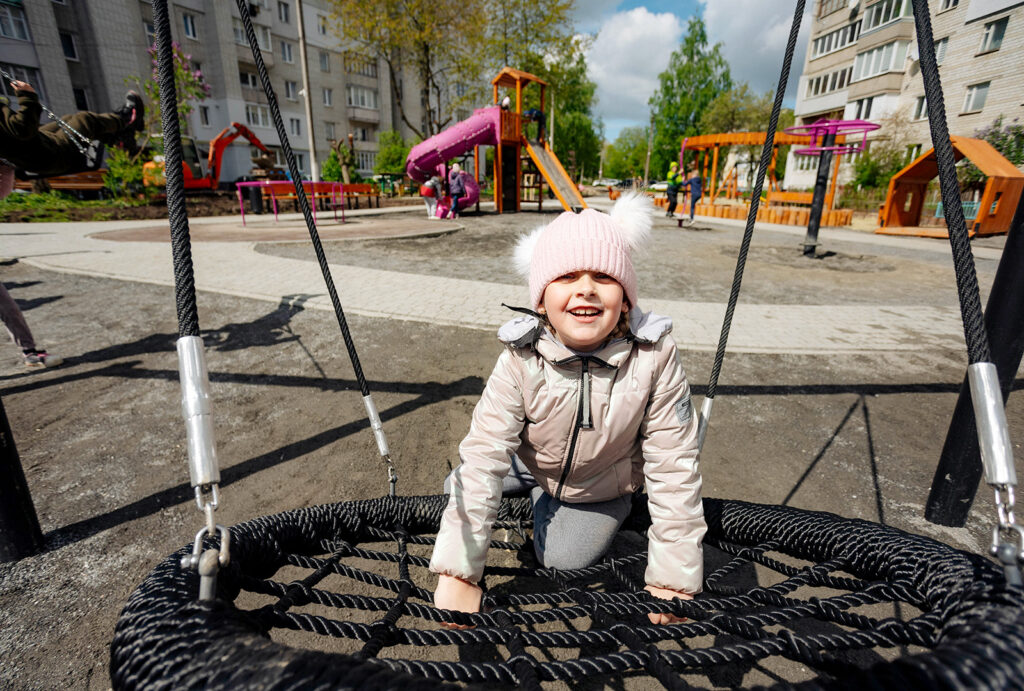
(583,308)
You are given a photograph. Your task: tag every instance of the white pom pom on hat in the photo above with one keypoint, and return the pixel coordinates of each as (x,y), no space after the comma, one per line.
(587,241)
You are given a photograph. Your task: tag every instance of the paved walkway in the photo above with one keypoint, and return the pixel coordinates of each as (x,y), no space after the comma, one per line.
(236,268)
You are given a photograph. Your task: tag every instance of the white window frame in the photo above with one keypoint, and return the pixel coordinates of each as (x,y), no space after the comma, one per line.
(204,116)
(921,108)
(971,98)
(325,61)
(295,127)
(948,5)
(22,74)
(365,160)
(257,115)
(989,43)
(250,80)
(284,12)
(321,24)
(835,40)
(885,12)
(361,96)
(291,90)
(888,57)
(940,49)
(287,54)
(328,96)
(13,23)
(188,21)
(329,129)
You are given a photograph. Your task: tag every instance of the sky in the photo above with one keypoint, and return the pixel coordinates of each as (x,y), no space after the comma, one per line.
(634,40)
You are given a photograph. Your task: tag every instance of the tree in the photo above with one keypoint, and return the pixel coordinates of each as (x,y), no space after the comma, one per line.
(1007,140)
(189,83)
(695,76)
(332,168)
(434,39)
(392,154)
(521,32)
(886,154)
(625,157)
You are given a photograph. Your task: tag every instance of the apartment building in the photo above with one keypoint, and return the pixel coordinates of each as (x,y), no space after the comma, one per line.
(84,54)
(862,63)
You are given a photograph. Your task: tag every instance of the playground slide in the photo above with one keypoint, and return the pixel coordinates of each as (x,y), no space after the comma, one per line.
(559,181)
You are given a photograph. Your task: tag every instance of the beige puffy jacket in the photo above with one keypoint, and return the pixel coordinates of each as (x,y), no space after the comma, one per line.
(590,427)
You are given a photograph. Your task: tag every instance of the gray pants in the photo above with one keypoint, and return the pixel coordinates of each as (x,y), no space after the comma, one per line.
(565,536)
(14,320)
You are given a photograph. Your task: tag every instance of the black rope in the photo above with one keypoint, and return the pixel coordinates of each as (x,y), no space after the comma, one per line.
(300,194)
(963,258)
(834,572)
(181,245)
(755,199)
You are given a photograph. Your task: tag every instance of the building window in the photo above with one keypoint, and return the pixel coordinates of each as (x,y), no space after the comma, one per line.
(81,100)
(940,50)
(300,161)
(12,23)
(325,61)
(361,96)
(862,108)
(67,44)
(921,108)
(835,40)
(360,64)
(328,97)
(294,126)
(284,12)
(189,21)
(365,160)
(827,7)
(321,25)
(913,151)
(329,130)
(994,32)
(204,116)
(880,60)
(150,32)
(249,80)
(289,90)
(884,12)
(257,115)
(948,5)
(974,99)
(21,74)
(827,83)
(286,52)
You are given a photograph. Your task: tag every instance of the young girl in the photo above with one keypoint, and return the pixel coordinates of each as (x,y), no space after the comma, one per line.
(587,404)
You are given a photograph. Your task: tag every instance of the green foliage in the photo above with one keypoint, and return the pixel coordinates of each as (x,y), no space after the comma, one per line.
(875,167)
(1007,140)
(577,145)
(625,157)
(189,82)
(392,154)
(123,177)
(519,32)
(53,206)
(696,75)
(331,171)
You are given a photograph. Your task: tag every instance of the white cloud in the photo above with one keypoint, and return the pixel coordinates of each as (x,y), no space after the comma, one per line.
(630,51)
(754,34)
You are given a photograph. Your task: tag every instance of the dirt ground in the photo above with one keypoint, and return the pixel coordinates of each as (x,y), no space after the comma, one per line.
(101,438)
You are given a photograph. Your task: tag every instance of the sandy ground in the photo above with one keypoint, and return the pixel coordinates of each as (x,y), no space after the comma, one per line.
(101,439)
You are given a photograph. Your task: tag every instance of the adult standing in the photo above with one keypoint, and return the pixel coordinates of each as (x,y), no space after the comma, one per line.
(675,182)
(696,191)
(456,188)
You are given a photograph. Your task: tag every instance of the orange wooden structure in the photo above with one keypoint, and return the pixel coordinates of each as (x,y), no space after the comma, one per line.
(707,148)
(901,213)
(511,187)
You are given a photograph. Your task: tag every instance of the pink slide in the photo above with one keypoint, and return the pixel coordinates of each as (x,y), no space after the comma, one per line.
(428,157)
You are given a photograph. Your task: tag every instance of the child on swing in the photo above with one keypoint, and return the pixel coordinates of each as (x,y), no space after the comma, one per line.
(587,404)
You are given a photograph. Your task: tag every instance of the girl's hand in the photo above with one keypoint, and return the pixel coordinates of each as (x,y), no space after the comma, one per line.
(22,86)
(666,594)
(455,593)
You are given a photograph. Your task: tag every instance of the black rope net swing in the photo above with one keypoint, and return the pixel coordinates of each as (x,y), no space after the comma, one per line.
(333,597)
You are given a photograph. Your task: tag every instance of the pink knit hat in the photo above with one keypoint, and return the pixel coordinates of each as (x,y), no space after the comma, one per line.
(587,241)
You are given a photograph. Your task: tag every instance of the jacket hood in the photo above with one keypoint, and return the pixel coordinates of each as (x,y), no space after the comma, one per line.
(525,331)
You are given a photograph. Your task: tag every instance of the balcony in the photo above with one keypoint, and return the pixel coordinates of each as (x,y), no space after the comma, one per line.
(357,114)
(245,55)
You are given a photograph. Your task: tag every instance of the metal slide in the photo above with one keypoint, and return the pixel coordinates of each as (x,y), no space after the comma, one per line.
(551,168)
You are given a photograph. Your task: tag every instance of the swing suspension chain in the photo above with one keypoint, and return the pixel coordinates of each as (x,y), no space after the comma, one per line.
(986,393)
(81,142)
(748,231)
(314,236)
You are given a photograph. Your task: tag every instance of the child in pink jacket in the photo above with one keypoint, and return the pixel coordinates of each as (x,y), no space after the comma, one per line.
(587,404)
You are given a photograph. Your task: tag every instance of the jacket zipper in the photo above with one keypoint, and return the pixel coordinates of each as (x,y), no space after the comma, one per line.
(583,421)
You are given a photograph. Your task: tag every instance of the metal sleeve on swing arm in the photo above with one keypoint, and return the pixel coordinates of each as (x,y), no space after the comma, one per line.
(702,421)
(377,426)
(196,409)
(990,417)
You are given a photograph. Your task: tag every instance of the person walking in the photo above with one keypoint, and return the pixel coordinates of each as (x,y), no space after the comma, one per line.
(695,185)
(14,320)
(456,188)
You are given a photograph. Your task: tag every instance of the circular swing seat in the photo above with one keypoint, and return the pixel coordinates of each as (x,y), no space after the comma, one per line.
(830,594)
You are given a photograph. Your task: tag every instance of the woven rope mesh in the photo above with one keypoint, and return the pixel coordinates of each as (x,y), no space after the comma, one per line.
(338,596)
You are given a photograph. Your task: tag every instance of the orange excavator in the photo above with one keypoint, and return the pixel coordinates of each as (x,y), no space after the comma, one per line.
(195,178)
